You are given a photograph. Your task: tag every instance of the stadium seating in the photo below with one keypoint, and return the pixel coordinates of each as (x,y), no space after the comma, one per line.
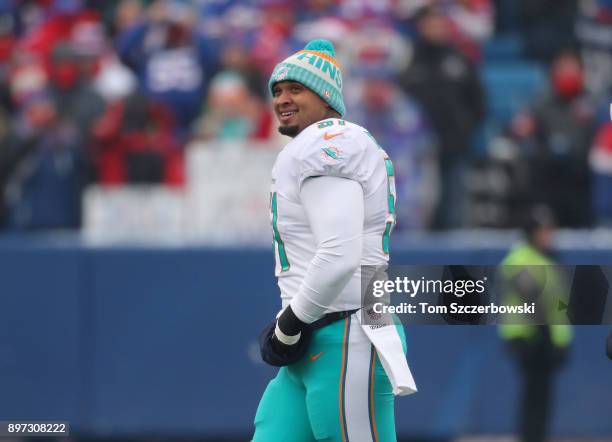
(506,47)
(510,86)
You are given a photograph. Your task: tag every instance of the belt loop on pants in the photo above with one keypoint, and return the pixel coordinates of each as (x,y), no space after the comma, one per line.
(330,318)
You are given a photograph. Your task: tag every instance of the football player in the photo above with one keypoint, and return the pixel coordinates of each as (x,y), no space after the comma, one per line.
(332,211)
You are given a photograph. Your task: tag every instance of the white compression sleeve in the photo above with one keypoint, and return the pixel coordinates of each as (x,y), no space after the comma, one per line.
(335,209)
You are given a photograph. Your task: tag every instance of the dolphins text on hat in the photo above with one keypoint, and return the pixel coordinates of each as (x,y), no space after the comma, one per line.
(323,65)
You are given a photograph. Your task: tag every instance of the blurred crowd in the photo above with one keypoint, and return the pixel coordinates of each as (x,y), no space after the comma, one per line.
(114,93)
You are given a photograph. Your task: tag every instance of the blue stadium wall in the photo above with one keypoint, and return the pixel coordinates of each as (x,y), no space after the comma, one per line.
(132,342)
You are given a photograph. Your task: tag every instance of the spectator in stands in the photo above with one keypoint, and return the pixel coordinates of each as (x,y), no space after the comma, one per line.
(274,40)
(475,18)
(114,81)
(376,41)
(133,143)
(448,88)
(70,85)
(472,24)
(173,62)
(9,157)
(233,113)
(5,120)
(67,44)
(41,171)
(398,124)
(121,16)
(227,19)
(325,19)
(357,10)
(47,26)
(600,161)
(8,42)
(88,39)
(593,26)
(235,56)
(499,189)
(558,143)
(314,10)
(26,76)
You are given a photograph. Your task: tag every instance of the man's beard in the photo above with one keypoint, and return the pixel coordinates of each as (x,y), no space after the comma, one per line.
(290,131)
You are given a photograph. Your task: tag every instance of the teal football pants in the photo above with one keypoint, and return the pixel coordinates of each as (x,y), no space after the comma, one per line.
(338,392)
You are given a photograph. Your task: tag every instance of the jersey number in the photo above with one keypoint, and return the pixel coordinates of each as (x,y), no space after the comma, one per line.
(328,123)
(277,240)
(391,197)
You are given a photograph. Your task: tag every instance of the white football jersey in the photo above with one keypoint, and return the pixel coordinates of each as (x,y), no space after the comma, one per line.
(331,147)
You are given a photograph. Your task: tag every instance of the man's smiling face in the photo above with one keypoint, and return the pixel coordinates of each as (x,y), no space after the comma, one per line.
(297,107)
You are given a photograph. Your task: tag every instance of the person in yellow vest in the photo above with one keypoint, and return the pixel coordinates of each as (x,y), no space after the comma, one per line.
(529,275)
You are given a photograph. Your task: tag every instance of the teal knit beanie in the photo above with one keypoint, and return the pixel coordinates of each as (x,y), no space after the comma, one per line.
(315,67)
